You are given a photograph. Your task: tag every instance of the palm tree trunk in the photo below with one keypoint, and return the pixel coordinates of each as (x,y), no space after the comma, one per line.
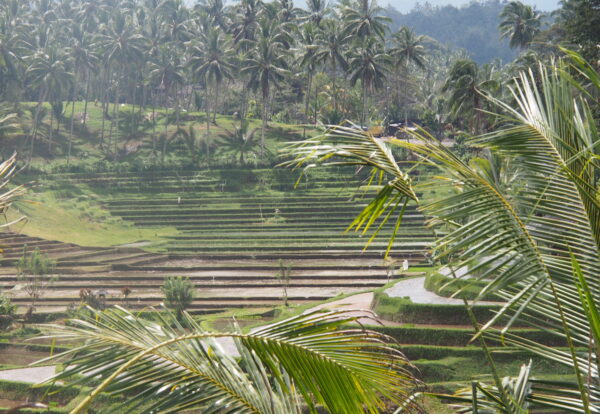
(216,103)
(72,124)
(177,107)
(87,91)
(51,136)
(105,104)
(132,111)
(334,80)
(166,132)
(477,115)
(364,103)
(264,125)
(117,112)
(316,112)
(154,123)
(34,127)
(207,108)
(244,103)
(307,103)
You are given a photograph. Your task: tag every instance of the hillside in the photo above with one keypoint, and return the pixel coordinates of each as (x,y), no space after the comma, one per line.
(472,27)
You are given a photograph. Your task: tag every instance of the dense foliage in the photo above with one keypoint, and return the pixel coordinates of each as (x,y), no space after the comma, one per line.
(522,218)
(148,64)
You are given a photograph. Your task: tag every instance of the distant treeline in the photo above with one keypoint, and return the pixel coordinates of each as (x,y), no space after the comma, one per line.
(473,27)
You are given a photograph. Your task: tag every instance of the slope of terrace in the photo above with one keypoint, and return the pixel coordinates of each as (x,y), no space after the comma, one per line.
(233,228)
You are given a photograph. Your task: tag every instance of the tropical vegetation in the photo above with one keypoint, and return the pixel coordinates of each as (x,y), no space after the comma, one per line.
(147,66)
(521,216)
(158,125)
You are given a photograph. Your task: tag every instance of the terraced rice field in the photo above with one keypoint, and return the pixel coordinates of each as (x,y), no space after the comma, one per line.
(233,229)
(230,237)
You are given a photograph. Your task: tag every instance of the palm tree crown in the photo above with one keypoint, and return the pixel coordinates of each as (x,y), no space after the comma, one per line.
(520,23)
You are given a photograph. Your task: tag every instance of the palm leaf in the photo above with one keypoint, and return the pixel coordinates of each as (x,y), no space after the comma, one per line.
(164,367)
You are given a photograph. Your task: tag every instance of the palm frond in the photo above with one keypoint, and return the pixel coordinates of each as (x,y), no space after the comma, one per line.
(164,368)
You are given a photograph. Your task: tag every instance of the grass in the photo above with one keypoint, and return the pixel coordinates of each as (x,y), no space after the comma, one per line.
(86,139)
(76,217)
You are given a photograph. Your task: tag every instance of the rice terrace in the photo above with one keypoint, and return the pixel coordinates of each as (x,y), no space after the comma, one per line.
(267,208)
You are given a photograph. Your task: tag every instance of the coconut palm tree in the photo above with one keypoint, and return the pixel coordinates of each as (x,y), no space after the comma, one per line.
(368,63)
(299,363)
(82,51)
(538,249)
(49,71)
(317,11)
(331,44)
(266,67)
(166,75)
(245,21)
(122,46)
(519,23)
(407,51)
(408,48)
(13,46)
(9,122)
(212,60)
(308,61)
(217,12)
(363,18)
(466,84)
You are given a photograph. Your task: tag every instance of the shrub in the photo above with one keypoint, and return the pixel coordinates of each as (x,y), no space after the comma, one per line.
(179,293)
(405,311)
(34,270)
(467,288)
(7,312)
(458,336)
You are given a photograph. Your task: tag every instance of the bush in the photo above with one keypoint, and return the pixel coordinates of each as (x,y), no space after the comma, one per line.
(405,311)
(179,293)
(33,270)
(467,288)
(7,312)
(457,336)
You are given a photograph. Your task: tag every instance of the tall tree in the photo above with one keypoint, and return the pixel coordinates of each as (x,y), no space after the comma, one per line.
(49,71)
(308,61)
(520,23)
(331,44)
(465,85)
(166,75)
(364,18)
(212,62)
(266,66)
(580,21)
(122,46)
(408,48)
(369,65)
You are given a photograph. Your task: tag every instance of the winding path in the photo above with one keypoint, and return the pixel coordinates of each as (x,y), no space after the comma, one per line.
(415,290)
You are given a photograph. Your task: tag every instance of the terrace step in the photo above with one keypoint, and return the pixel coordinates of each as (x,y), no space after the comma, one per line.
(207,283)
(414,256)
(205,203)
(211,198)
(223,301)
(251,227)
(413,247)
(272,237)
